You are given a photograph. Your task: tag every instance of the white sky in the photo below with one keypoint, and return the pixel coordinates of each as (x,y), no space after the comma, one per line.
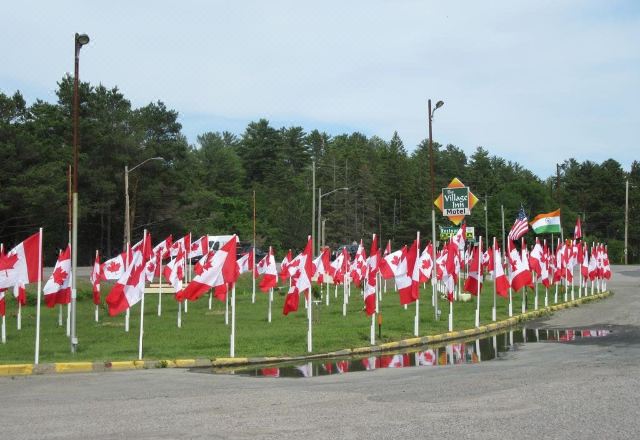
(535,82)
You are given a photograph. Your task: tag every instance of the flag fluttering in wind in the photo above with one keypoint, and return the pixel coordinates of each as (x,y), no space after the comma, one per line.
(114,268)
(547,223)
(371,277)
(20,264)
(174,272)
(95,277)
(577,231)
(520,226)
(519,275)
(474,280)
(267,268)
(199,247)
(300,270)
(57,290)
(284,266)
(129,288)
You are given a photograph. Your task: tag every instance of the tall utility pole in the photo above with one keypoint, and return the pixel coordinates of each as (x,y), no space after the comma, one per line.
(433,211)
(486,223)
(313,206)
(626,221)
(80,40)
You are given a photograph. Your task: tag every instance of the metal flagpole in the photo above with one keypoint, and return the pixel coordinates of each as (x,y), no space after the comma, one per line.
(226,304)
(253,250)
(97,308)
(160,289)
(310,328)
(37,348)
(494,311)
(270,301)
(126,267)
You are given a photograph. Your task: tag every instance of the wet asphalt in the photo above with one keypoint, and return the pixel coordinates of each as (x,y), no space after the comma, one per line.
(588,389)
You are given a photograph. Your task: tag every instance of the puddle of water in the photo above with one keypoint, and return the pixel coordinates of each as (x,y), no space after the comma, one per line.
(467,352)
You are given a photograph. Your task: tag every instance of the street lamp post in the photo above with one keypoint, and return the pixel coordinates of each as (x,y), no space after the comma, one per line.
(320,196)
(80,40)
(127,218)
(433,211)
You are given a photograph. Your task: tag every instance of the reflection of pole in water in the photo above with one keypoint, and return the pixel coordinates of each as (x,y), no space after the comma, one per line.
(450,353)
(436,360)
(537,335)
(511,338)
(495,346)
(524,334)
(478,350)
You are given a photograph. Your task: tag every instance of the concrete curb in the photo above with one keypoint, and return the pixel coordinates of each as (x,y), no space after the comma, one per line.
(85,367)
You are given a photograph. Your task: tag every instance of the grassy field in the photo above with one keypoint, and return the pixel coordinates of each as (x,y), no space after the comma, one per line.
(204,333)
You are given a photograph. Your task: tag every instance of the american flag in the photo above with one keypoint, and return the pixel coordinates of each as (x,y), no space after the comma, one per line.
(520,226)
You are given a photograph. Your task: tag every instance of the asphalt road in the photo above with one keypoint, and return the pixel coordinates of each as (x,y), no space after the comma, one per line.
(583,390)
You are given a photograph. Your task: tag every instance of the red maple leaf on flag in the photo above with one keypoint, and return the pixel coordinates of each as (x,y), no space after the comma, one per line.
(180,273)
(395,260)
(151,267)
(8,261)
(207,264)
(195,246)
(59,275)
(425,264)
(113,266)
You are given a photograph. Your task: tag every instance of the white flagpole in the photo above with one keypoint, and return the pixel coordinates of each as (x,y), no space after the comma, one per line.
(524,289)
(270,301)
(327,293)
(210,299)
(188,272)
(179,314)
(546,289)
(344,294)
(226,304)
(142,307)
(253,250)
(494,316)
(233,321)
(478,287)
(4,330)
(160,289)
(450,315)
(68,320)
(96,306)
(310,329)
(37,349)
(19,318)
(60,316)
(416,320)
(126,267)
(510,302)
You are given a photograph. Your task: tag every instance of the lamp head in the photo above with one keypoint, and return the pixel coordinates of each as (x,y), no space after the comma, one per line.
(82,39)
(439,104)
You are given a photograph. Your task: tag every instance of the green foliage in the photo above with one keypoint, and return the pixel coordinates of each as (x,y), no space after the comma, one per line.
(209,187)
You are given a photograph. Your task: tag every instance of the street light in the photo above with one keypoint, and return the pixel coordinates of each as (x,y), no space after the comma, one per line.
(127,218)
(320,196)
(80,40)
(433,211)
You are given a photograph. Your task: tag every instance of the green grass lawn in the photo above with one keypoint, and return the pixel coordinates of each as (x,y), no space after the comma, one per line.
(204,333)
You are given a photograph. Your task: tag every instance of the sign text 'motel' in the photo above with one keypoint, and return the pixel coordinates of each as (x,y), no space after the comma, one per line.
(455,201)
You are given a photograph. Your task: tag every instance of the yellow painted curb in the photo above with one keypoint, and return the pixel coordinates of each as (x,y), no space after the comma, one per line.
(229,361)
(73,367)
(126,365)
(16,370)
(183,363)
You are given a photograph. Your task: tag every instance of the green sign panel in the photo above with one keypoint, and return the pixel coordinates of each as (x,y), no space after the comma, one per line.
(447,232)
(455,201)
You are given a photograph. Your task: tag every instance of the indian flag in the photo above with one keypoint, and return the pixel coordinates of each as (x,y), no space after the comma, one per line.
(546,223)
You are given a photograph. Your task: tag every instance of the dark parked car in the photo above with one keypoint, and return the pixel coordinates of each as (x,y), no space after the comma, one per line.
(244,247)
(351,249)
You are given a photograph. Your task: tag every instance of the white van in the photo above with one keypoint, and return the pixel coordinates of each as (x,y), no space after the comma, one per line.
(217,241)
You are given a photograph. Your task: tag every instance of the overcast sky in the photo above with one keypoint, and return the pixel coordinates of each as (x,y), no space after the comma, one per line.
(535,82)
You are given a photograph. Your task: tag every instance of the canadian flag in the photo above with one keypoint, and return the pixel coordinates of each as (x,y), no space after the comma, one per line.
(495,267)
(220,270)
(473,282)
(322,265)
(129,288)
(535,258)
(96,275)
(577,231)
(387,250)
(184,243)
(404,281)
(174,272)
(22,263)
(20,293)
(593,264)
(519,275)
(220,287)
(300,270)
(606,267)
(245,263)
(57,290)
(158,253)
(389,264)
(267,268)
(359,266)
(143,246)
(340,266)
(284,266)
(199,266)
(199,247)
(114,268)
(425,264)
(544,266)
(371,279)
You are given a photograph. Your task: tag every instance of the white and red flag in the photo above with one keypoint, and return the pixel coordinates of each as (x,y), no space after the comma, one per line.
(95,277)
(371,278)
(407,287)
(21,264)
(129,288)
(322,265)
(114,268)
(577,231)
(158,253)
(425,264)
(584,265)
(606,267)
(221,269)
(519,274)
(245,263)
(359,266)
(473,282)
(199,247)
(340,266)
(57,290)
(300,270)
(267,268)
(184,243)
(284,266)
(389,264)
(495,266)
(3,306)
(174,272)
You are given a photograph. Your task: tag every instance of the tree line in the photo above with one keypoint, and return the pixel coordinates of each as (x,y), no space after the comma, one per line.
(208,187)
